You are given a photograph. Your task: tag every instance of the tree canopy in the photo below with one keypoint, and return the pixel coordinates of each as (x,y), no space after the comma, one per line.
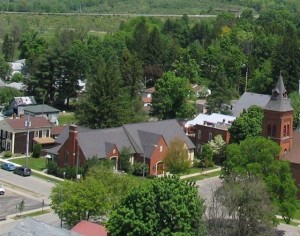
(258,156)
(164,206)
(173,98)
(249,124)
(87,198)
(177,160)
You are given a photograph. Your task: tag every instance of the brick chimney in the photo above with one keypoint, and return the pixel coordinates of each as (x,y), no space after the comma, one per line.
(72,143)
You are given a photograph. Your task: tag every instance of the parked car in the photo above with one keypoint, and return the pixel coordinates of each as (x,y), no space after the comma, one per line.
(2,190)
(24,171)
(8,166)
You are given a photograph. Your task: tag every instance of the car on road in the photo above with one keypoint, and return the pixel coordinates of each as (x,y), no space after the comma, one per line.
(8,166)
(21,170)
(2,190)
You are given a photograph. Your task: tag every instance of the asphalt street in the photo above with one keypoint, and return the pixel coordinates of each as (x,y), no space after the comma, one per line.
(30,186)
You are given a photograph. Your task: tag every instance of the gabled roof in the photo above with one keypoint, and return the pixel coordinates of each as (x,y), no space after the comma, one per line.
(138,137)
(149,141)
(19,124)
(87,228)
(169,129)
(247,100)
(95,142)
(30,226)
(279,100)
(39,109)
(63,136)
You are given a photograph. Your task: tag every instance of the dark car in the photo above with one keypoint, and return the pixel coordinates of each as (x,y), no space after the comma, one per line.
(24,171)
(8,166)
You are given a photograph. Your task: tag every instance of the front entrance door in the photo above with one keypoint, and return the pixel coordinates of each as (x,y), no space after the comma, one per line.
(160,168)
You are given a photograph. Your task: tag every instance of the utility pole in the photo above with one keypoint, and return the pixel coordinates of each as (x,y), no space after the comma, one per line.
(27,125)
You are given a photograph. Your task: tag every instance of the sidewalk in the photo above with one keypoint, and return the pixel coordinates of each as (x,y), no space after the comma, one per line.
(7,160)
(200,173)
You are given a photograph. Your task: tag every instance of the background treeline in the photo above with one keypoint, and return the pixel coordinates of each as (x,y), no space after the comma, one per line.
(146,7)
(228,54)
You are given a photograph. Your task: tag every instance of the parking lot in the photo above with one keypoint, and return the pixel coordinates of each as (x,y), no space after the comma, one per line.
(10,200)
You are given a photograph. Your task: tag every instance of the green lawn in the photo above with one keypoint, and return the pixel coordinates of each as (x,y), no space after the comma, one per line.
(66,118)
(33,163)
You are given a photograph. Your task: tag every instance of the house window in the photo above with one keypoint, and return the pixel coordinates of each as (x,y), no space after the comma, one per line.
(66,158)
(269,130)
(36,134)
(44,133)
(3,144)
(209,136)
(284,131)
(9,135)
(199,148)
(274,131)
(161,148)
(288,130)
(199,134)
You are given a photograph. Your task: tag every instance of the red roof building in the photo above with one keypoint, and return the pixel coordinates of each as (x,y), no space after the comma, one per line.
(87,228)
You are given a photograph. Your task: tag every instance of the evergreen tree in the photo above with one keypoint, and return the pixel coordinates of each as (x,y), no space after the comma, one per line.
(105,103)
(8,48)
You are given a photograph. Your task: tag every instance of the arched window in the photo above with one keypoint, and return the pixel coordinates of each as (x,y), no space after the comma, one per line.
(269,130)
(199,134)
(209,136)
(274,131)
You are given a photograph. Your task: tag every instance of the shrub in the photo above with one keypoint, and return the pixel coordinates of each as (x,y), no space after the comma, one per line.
(140,168)
(7,154)
(37,150)
(51,168)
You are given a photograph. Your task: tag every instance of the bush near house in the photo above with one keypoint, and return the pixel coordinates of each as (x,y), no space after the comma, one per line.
(7,154)
(37,150)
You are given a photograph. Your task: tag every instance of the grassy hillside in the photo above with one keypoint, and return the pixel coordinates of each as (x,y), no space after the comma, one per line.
(120,6)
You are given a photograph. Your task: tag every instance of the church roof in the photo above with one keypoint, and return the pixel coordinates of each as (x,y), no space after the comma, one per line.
(279,100)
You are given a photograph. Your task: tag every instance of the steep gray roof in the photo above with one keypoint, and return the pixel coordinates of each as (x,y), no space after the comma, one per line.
(169,129)
(41,108)
(63,136)
(97,142)
(247,100)
(279,100)
(31,227)
(149,141)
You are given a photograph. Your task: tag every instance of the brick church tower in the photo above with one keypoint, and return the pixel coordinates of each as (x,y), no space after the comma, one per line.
(278,118)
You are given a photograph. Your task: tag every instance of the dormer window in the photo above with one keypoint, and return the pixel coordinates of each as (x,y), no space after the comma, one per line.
(275,93)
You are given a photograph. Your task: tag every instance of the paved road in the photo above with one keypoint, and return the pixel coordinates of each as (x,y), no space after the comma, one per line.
(31,186)
(10,200)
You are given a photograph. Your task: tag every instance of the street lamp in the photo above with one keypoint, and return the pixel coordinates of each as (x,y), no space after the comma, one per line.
(27,125)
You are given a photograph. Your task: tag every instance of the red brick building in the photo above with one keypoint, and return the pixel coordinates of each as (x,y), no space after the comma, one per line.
(207,132)
(278,126)
(148,142)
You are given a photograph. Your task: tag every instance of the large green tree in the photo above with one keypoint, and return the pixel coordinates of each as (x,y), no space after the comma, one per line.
(105,103)
(246,201)
(249,124)
(177,160)
(91,197)
(173,98)
(258,156)
(164,206)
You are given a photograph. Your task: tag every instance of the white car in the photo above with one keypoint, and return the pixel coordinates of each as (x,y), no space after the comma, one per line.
(2,190)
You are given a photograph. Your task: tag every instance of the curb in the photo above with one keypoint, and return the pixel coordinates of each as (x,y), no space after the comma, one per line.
(202,173)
